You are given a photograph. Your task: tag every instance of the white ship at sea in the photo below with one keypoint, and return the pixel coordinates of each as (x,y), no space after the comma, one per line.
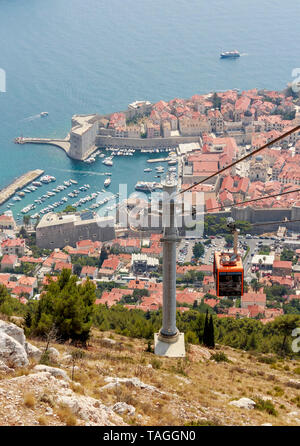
(107,182)
(229,54)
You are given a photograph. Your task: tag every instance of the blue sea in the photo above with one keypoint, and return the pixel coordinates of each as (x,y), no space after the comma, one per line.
(72,56)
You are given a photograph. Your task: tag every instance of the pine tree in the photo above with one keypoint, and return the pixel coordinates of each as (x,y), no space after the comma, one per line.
(211,332)
(28,319)
(216,101)
(68,306)
(103,256)
(206,331)
(252,343)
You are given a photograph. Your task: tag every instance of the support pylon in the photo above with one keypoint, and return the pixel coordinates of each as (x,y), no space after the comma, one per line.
(169,341)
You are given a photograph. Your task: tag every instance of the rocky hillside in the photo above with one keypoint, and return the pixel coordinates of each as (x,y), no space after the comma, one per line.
(117,382)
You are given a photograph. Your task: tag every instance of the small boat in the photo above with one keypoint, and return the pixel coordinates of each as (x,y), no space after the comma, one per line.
(108,162)
(148,170)
(107,182)
(44,114)
(227,54)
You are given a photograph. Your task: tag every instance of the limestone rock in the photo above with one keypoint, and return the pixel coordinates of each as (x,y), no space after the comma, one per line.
(53,354)
(49,411)
(13,331)
(66,358)
(293,383)
(57,373)
(198,353)
(109,341)
(243,403)
(265,398)
(33,352)
(12,353)
(89,409)
(123,408)
(50,390)
(114,381)
(4,368)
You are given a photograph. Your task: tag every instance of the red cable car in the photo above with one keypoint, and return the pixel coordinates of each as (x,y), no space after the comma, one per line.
(229,274)
(228,268)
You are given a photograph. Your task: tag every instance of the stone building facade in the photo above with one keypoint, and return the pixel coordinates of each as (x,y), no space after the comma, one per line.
(58,231)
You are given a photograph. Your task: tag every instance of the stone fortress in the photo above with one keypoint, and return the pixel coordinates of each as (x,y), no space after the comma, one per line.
(91,131)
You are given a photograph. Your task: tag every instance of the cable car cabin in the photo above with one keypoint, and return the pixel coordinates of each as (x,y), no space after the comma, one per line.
(229,274)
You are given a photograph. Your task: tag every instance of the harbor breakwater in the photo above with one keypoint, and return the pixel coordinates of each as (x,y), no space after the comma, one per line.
(18,184)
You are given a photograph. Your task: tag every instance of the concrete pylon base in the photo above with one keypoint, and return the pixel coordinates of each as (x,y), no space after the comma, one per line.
(170,349)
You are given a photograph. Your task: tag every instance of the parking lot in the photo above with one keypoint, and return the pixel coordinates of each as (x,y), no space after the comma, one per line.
(254,243)
(185,251)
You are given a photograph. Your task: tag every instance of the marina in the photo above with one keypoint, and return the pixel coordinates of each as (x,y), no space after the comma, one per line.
(84,188)
(19,183)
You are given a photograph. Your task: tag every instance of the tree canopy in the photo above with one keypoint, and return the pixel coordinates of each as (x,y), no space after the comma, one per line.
(198,250)
(67,306)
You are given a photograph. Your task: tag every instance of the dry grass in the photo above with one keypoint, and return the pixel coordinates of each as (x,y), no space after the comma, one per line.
(29,400)
(47,398)
(197,392)
(77,388)
(42,420)
(66,415)
(21,372)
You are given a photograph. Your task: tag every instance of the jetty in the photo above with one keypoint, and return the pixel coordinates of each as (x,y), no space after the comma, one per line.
(63,143)
(18,184)
(160,160)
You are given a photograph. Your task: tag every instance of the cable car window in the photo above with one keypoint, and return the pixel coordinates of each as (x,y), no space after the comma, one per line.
(230,284)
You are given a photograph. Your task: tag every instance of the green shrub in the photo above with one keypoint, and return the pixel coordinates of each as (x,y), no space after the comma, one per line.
(156,363)
(266,406)
(296,400)
(203,423)
(149,348)
(219,357)
(278,391)
(181,367)
(45,358)
(267,359)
